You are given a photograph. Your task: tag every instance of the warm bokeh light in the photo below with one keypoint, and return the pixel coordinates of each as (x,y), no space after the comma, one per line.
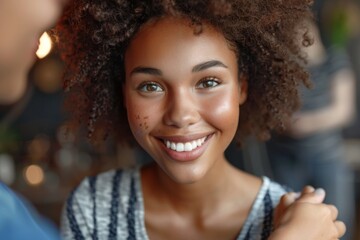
(34,175)
(44,46)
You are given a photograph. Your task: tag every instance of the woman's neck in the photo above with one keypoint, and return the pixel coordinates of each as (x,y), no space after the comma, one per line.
(199,198)
(214,207)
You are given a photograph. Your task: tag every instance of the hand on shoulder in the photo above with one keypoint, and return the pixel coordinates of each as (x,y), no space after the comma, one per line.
(306,217)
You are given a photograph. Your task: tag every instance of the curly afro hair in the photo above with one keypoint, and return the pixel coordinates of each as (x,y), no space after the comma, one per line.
(93,36)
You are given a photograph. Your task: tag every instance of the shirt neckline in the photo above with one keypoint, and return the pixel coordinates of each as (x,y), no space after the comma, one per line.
(244,229)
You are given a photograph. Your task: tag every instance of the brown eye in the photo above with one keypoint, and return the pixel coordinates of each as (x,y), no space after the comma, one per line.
(150,87)
(208,83)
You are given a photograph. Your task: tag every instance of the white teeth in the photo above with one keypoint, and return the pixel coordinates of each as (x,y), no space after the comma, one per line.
(186,146)
(179,147)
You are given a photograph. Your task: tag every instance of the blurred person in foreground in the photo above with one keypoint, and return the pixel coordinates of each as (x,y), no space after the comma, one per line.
(21,24)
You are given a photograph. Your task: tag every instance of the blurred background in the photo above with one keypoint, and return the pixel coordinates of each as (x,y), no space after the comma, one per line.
(43,161)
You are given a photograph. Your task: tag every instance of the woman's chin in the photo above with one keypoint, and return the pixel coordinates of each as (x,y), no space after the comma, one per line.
(185,174)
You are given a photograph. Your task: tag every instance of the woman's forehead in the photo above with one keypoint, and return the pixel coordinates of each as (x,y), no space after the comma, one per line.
(173,40)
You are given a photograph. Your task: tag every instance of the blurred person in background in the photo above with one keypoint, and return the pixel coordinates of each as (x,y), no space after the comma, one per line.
(21,24)
(311,149)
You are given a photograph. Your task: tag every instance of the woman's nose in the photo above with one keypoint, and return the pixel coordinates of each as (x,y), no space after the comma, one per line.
(182,109)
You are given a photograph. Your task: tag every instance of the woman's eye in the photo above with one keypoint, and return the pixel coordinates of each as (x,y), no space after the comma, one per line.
(150,87)
(208,83)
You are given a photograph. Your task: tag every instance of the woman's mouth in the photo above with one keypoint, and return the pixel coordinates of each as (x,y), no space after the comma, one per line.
(185,149)
(184,146)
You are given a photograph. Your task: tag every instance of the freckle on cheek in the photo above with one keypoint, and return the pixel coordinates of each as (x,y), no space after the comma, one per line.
(146,125)
(142,124)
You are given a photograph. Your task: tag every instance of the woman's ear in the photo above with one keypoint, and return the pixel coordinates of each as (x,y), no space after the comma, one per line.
(243,89)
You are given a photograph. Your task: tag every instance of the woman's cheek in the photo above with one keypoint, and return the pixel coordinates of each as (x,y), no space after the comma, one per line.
(140,116)
(137,124)
(223,112)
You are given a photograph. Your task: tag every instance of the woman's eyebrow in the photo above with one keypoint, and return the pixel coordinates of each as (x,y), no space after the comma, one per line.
(208,64)
(146,70)
(196,68)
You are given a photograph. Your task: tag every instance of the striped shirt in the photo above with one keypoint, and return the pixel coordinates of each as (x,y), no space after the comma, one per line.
(110,206)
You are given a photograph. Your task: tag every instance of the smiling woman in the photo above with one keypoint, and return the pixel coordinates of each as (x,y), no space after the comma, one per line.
(174,75)
(193,97)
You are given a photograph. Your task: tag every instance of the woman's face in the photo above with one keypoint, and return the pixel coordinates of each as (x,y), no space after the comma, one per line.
(21,24)
(182,96)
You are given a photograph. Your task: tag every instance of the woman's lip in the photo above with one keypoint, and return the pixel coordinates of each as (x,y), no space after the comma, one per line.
(186,156)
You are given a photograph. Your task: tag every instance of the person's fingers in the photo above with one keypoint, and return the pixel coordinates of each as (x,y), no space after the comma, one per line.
(339,225)
(341,228)
(316,196)
(285,201)
(333,211)
(288,198)
(307,189)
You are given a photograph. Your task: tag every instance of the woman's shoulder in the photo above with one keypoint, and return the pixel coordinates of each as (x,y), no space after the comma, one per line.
(102,190)
(264,189)
(106,182)
(267,199)
(273,189)
(92,206)
(259,223)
